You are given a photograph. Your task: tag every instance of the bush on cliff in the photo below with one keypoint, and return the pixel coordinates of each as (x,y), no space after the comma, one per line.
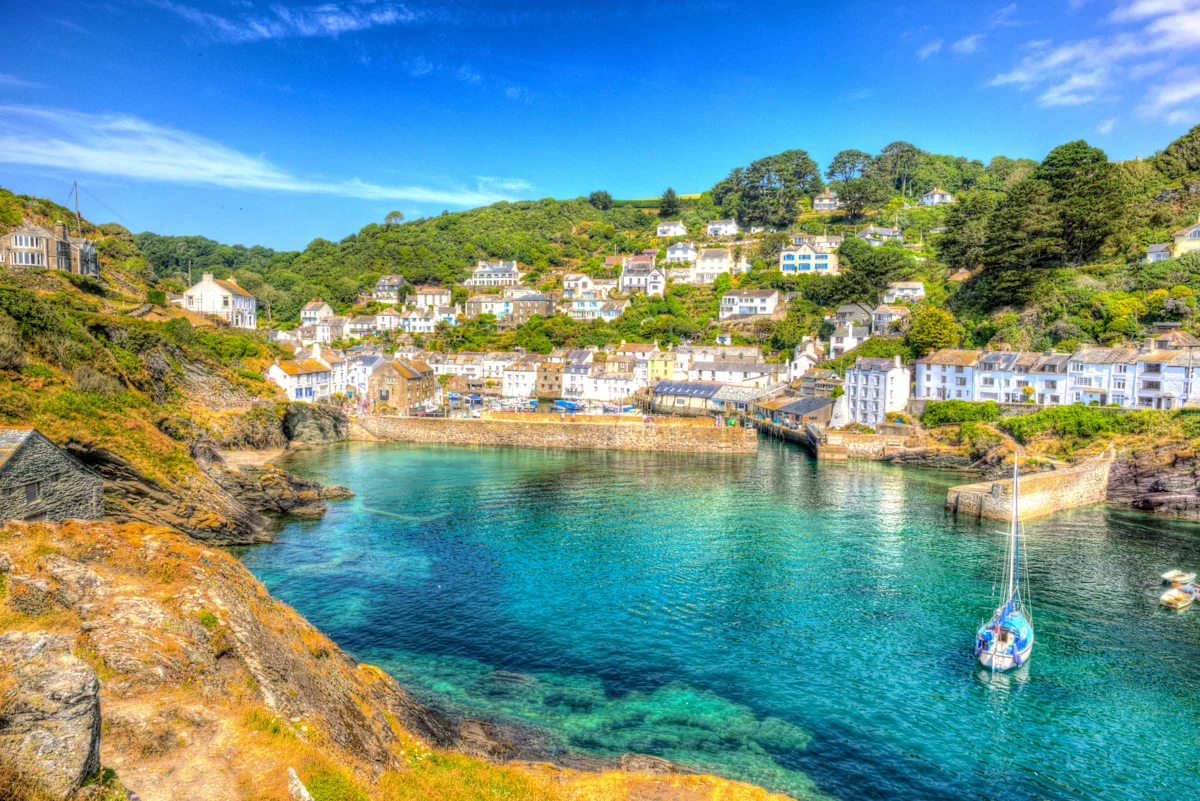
(940,413)
(1078,424)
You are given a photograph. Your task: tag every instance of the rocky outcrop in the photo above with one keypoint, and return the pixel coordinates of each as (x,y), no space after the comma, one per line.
(315,423)
(1162,480)
(204,509)
(50,718)
(268,488)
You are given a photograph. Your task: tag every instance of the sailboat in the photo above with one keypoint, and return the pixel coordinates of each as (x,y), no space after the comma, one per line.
(1006,641)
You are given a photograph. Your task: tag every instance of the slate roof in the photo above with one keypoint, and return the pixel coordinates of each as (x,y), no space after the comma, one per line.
(751,293)
(11,440)
(687,389)
(1105,355)
(798,406)
(1159,248)
(736,394)
(745,367)
(873,364)
(314,305)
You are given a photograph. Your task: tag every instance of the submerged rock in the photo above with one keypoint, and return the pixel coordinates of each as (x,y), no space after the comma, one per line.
(50,727)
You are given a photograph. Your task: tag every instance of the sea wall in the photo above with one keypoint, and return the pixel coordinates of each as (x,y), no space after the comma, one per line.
(842,445)
(1042,494)
(665,434)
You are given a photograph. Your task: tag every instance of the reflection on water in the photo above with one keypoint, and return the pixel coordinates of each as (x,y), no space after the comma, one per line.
(807,628)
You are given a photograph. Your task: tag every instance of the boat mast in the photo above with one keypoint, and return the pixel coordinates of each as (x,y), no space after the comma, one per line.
(1016,532)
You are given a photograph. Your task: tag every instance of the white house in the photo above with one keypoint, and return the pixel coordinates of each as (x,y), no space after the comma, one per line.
(936,197)
(672,228)
(876,236)
(846,337)
(748,302)
(362,326)
(576,283)
(494,273)
(1018,377)
(723,228)
(418,321)
(430,297)
(338,376)
(494,363)
(743,374)
(884,319)
(681,252)
(946,375)
(358,370)
(875,387)
(387,320)
(315,311)
(1158,252)
(829,242)
(585,306)
(613,309)
(826,201)
(807,355)
(639,273)
(224,299)
(1102,376)
(520,377)
(710,263)
(305,380)
(807,258)
(489,304)
(904,292)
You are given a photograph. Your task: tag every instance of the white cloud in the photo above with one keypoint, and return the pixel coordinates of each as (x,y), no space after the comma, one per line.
(929,49)
(967,45)
(1107,126)
(1164,98)
(280,22)
(419,66)
(130,147)
(468,75)
(1152,35)
(1182,116)
(14,82)
(1078,89)
(1005,17)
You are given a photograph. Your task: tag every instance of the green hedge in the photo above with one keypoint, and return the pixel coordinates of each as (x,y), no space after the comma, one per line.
(940,413)
(1085,423)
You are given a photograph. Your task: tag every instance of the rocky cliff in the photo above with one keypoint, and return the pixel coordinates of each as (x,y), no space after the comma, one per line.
(140,650)
(1161,479)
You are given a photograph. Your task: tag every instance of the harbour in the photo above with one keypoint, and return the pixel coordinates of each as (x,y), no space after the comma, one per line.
(803,625)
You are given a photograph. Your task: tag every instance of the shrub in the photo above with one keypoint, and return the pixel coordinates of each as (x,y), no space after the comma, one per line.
(87,379)
(12,351)
(37,371)
(940,413)
(1082,423)
(15,404)
(157,297)
(249,375)
(182,332)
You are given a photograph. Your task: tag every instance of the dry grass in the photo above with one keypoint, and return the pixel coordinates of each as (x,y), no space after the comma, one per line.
(16,786)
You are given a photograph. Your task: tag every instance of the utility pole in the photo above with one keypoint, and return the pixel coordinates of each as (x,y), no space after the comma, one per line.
(78,223)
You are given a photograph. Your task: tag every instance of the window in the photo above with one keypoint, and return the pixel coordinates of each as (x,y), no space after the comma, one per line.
(1076,367)
(1051,385)
(1153,385)
(989,382)
(32,492)
(1121,368)
(960,382)
(1152,367)
(1118,383)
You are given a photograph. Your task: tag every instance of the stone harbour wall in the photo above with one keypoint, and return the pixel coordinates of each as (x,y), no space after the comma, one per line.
(658,436)
(1042,494)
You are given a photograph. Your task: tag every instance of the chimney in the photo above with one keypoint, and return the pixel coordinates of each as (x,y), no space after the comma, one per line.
(232,280)
(206,277)
(60,230)
(896,360)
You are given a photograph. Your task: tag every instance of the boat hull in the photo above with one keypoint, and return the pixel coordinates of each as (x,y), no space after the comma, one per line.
(994,660)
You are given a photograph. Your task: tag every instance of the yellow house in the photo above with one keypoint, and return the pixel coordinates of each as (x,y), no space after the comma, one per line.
(660,366)
(1187,240)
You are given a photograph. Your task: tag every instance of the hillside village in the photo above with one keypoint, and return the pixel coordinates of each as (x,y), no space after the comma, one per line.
(837,312)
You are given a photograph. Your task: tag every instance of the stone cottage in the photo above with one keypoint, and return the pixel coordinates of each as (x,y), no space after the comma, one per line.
(40,481)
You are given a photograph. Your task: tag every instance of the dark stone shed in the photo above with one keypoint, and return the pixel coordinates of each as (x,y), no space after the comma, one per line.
(40,481)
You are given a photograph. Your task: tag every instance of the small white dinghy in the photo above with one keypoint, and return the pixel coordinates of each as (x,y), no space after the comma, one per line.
(1178,577)
(1178,598)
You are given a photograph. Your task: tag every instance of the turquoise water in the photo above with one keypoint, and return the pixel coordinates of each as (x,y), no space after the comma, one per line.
(804,627)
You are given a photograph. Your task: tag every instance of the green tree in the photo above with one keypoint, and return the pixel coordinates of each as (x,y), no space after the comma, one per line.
(1024,245)
(859,194)
(1181,157)
(393,218)
(966,225)
(847,165)
(601,200)
(871,269)
(1088,196)
(896,164)
(769,191)
(932,329)
(668,204)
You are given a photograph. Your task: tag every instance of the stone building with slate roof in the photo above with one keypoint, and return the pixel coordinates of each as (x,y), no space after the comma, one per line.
(40,481)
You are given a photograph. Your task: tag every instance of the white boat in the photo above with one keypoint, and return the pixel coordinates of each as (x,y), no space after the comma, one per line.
(1006,640)
(1178,598)
(1178,577)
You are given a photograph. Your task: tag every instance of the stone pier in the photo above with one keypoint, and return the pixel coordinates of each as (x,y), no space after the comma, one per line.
(613,432)
(1042,494)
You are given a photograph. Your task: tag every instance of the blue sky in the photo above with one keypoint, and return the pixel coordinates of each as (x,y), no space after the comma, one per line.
(265,123)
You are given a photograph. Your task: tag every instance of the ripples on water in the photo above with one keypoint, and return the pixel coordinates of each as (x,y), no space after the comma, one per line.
(807,628)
